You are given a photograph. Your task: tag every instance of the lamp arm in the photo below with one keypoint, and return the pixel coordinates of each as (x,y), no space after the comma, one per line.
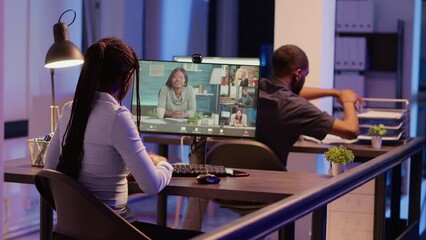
(69,10)
(52,73)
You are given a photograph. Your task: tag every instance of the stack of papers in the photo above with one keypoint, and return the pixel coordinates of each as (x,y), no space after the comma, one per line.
(385,138)
(380,115)
(329,139)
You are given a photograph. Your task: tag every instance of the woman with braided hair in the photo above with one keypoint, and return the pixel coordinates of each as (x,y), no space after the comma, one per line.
(97,142)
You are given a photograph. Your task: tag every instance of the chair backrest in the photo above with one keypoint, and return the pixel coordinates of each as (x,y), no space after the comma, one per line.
(80,214)
(247,154)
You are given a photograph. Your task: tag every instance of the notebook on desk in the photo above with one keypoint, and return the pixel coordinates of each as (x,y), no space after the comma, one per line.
(329,139)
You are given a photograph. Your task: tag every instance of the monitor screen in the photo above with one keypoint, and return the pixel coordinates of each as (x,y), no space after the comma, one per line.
(202,99)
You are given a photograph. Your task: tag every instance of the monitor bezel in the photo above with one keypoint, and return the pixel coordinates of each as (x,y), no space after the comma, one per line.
(221,60)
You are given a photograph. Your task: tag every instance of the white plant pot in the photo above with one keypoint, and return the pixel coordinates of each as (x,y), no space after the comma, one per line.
(376,142)
(337,168)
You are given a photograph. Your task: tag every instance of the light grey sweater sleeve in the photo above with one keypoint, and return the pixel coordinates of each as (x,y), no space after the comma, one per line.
(126,139)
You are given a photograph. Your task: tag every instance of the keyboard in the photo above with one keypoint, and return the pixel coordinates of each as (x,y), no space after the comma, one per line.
(193,170)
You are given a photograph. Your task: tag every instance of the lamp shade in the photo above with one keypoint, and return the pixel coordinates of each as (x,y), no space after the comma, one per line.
(62,53)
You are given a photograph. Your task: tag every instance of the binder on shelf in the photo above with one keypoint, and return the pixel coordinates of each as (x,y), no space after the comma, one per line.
(340,14)
(342,18)
(345,53)
(354,16)
(365,16)
(353,55)
(350,53)
(338,56)
(361,53)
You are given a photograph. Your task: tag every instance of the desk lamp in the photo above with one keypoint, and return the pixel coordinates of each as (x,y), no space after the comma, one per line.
(62,53)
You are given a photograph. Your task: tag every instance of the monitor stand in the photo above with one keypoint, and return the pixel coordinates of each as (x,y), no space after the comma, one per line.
(198,150)
(196,207)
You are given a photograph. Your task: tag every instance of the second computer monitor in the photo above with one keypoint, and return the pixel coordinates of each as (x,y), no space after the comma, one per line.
(198,98)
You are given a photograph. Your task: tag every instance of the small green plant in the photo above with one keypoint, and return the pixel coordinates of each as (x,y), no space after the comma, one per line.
(339,154)
(377,130)
(151,113)
(194,119)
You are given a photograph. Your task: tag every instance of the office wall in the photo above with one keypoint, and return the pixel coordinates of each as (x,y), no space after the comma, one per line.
(175,28)
(312,29)
(26,36)
(227,28)
(27,90)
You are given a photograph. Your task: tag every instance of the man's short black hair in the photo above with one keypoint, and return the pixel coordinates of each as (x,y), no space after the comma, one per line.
(287,59)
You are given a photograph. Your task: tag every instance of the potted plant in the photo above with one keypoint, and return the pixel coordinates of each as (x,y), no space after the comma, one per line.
(196,88)
(196,119)
(339,157)
(377,132)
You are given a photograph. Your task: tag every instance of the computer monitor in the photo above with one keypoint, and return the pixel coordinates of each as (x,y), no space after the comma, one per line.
(205,106)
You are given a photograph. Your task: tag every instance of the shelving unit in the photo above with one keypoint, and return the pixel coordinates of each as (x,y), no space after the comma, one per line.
(369,63)
(377,56)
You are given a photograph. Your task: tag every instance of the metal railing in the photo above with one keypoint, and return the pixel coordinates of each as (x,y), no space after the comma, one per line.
(271,218)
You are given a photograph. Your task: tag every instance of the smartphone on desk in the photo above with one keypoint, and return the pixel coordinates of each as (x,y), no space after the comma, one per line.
(235,173)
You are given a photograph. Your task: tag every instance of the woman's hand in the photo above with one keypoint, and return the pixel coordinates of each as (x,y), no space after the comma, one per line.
(179,115)
(157,158)
(238,124)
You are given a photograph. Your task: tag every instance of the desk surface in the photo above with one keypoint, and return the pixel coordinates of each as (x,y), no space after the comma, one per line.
(20,171)
(359,150)
(267,186)
(261,185)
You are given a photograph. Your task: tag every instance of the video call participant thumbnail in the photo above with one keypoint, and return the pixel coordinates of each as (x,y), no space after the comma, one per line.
(176,98)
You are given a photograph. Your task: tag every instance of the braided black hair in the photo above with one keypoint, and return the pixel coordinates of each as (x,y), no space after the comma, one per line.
(107,64)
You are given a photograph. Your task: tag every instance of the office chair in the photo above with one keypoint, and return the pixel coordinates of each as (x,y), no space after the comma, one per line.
(80,214)
(246,154)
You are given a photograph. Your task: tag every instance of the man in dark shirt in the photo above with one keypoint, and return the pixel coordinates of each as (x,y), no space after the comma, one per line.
(245,100)
(285,113)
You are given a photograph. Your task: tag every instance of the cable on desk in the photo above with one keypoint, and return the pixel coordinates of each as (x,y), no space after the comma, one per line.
(198,150)
(181,149)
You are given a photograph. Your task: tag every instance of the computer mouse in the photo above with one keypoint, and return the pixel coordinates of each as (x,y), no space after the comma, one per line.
(207,178)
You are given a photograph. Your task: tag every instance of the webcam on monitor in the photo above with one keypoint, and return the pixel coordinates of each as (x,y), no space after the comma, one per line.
(197,58)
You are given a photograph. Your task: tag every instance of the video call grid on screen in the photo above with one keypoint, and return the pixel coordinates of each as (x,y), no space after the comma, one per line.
(217,89)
